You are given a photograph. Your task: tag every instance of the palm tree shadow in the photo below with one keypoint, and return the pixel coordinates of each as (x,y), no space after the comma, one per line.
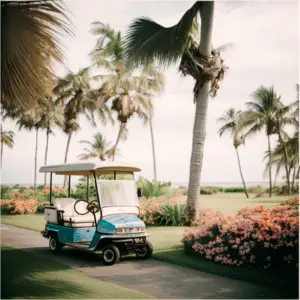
(25,275)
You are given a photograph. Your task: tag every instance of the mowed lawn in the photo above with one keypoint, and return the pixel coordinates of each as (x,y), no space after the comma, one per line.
(26,275)
(230,203)
(167,245)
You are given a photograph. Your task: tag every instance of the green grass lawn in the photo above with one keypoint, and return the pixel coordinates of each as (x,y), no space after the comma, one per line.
(230,203)
(167,245)
(25,275)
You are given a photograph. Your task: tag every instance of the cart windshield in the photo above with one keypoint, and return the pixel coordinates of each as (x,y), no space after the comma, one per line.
(114,193)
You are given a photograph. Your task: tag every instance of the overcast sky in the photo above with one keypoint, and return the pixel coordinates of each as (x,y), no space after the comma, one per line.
(266,39)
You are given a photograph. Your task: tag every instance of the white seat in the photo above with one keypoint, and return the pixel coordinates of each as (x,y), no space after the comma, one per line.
(70,215)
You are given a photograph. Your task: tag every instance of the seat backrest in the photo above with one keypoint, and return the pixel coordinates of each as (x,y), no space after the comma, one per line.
(65,204)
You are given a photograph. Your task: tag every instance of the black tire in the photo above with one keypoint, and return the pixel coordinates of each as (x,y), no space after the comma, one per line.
(145,252)
(54,244)
(111,255)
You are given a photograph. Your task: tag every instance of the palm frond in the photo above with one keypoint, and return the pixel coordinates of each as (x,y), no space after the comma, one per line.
(29,45)
(147,41)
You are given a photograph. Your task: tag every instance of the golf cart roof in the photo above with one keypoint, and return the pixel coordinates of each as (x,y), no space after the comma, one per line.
(84,169)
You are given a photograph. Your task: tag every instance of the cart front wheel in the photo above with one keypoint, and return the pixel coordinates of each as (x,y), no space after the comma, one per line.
(145,252)
(54,244)
(111,255)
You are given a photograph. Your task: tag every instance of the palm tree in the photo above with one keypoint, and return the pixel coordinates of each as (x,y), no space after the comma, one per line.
(99,148)
(230,124)
(129,89)
(147,41)
(29,46)
(29,120)
(72,91)
(262,115)
(7,139)
(52,114)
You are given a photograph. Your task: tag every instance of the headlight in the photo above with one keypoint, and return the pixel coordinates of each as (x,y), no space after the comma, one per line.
(130,230)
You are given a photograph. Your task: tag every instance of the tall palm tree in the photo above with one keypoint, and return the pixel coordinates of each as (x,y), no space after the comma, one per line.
(29,120)
(29,46)
(262,116)
(99,148)
(129,88)
(147,41)
(52,114)
(230,124)
(7,139)
(72,91)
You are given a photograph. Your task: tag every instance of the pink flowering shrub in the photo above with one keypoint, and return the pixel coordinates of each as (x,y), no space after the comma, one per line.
(18,206)
(253,237)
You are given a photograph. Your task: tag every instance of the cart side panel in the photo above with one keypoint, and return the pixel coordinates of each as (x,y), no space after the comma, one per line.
(65,234)
(83,234)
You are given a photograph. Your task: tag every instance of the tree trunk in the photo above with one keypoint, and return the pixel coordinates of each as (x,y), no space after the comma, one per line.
(122,127)
(46,154)
(1,153)
(270,171)
(240,168)
(35,156)
(199,130)
(153,147)
(294,179)
(66,156)
(285,156)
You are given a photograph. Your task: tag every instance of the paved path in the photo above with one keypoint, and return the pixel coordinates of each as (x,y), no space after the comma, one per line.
(161,280)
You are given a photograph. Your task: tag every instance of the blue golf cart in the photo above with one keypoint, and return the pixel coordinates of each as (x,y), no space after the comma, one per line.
(107,224)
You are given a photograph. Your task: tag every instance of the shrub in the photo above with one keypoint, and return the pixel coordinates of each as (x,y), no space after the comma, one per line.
(5,191)
(5,207)
(154,211)
(233,190)
(206,191)
(293,202)
(267,238)
(81,188)
(19,207)
(27,193)
(153,188)
(283,189)
(41,205)
(172,214)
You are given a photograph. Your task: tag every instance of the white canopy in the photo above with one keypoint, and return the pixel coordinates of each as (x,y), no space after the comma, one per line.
(82,168)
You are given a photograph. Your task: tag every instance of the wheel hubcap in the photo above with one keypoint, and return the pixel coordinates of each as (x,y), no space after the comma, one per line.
(52,244)
(108,255)
(142,252)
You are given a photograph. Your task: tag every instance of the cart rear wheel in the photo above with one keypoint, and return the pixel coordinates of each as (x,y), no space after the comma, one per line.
(111,255)
(145,252)
(54,244)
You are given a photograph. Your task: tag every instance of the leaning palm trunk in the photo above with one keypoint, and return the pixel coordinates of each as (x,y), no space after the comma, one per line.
(199,130)
(46,154)
(240,168)
(285,156)
(121,130)
(66,155)
(35,156)
(270,166)
(153,147)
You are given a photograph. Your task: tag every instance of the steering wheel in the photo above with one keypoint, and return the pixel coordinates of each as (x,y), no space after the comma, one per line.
(92,207)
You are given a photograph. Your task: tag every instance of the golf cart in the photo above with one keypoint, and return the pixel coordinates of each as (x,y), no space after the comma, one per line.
(109,223)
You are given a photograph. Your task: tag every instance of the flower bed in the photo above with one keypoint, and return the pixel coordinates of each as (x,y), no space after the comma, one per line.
(18,206)
(254,237)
